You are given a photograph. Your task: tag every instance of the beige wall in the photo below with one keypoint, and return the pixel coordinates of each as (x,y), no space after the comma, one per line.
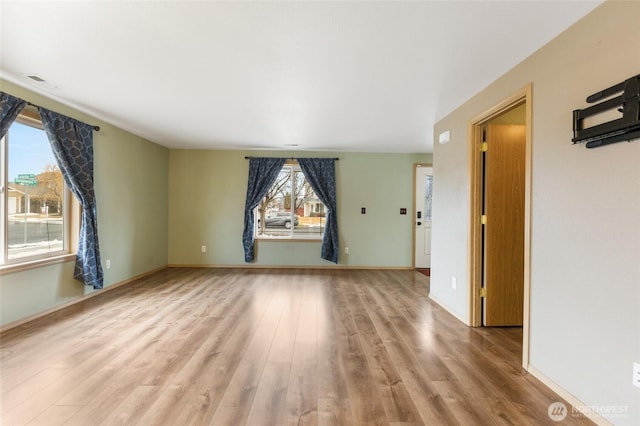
(131,178)
(585,232)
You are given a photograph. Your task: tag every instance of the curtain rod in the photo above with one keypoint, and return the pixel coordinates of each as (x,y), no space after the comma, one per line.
(296,158)
(96,128)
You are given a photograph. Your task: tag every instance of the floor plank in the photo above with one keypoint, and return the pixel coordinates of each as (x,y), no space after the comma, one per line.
(196,346)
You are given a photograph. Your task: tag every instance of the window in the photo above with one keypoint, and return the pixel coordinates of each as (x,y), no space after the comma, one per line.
(290,209)
(34,202)
(428,197)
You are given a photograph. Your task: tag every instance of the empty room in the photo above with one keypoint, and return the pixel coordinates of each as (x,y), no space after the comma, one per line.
(320,213)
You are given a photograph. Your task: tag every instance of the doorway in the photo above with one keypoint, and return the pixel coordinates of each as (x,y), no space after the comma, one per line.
(500,170)
(503,221)
(422,215)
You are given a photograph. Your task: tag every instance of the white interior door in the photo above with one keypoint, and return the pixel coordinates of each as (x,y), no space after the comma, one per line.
(423,215)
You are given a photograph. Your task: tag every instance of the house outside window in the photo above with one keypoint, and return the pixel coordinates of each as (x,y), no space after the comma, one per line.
(290,209)
(34,206)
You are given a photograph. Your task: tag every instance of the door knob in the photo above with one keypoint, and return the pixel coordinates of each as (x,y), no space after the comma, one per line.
(419,223)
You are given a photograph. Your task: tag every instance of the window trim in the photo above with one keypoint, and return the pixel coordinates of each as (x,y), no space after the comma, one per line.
(72,213)
(278,239)
(36,263)
(294,238)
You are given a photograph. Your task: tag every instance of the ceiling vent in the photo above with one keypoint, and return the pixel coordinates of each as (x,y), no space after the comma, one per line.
(36,78)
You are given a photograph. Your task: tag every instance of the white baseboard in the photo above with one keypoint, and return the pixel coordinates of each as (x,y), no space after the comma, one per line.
(253,266)
(567,396)
(447,308)
(34,317)
(562,393)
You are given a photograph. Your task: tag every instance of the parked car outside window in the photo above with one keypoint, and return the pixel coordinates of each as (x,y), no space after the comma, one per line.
(280,219)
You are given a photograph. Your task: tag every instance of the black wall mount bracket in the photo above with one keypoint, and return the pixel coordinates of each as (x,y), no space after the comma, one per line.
(626,128)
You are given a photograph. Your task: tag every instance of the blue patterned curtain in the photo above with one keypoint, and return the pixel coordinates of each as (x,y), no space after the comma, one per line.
(72,145)
(262,173)
(321,175)
(11,107)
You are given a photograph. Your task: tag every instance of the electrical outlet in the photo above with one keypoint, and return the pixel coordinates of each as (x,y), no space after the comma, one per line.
(636,374)
(454,283)
(203,249)
(346,250)
(108,263)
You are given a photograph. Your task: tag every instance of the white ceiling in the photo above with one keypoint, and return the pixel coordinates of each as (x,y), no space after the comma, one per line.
(353,76)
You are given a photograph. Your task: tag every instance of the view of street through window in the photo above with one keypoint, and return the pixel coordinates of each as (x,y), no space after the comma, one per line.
(291,208)
(35,194)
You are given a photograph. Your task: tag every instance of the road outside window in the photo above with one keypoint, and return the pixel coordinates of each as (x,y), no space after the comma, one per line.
(290,209)
(34,202)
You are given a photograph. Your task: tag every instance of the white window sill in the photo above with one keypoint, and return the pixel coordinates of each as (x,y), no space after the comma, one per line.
(289,239)
(37,263)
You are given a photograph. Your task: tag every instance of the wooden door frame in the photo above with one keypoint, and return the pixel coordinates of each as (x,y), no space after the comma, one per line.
(522,96)
(413,211)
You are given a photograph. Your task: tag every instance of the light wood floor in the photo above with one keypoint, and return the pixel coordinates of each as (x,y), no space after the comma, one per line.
(267,347)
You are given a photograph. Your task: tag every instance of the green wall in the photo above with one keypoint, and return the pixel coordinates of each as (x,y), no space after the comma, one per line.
(158,206)
(206,203)
(131,179)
